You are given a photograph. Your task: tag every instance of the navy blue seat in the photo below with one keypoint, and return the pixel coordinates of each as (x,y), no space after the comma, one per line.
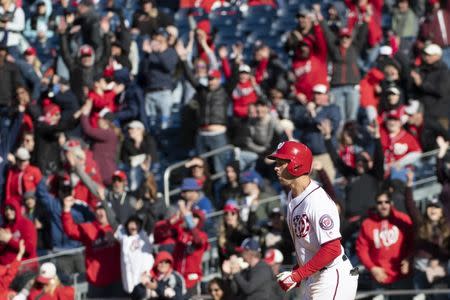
(261,10)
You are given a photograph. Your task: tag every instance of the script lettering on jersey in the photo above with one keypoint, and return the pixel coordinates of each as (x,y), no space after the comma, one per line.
(386,237)
(301,225)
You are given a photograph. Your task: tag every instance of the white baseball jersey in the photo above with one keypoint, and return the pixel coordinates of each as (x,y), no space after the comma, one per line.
(313,220)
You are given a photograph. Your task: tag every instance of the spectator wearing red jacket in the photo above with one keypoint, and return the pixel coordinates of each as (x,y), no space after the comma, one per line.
(385,243)
(310,65)
(399,146)
(16,228)
(191,242)
(22,177)
(102,251)
(245,93)
(8,272)
(370,90)
(48,287)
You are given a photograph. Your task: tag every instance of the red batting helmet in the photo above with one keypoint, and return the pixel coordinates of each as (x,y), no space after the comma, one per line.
(299,157)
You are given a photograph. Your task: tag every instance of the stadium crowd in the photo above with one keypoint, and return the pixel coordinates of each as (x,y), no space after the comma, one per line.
(97,98)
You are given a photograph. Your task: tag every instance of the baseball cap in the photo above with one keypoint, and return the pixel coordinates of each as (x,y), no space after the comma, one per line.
(393,90)
(251,177)
(302,13)
(47,272)
(190,184)
(214,74)
(22,154)
(30,51)
(86,50)
(231,206)
(136,125)
(273,256)
(393,115)
(434,202)
(120,174)
(433,49)
(320,89)
(250,244)
(161,31)
(275,211)
(244,69)
(345,32)
(386,50)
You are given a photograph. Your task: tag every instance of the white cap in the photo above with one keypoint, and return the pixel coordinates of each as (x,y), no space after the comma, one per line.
(394,90)
(244,69)
(136,125)
(103,112)
(23,154)
(386,50)
(47,272)
(320,89)
(273,256)
(433,49)
(413,107)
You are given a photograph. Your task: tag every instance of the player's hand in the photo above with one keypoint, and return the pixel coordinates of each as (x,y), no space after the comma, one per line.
(379,274)
(287,281)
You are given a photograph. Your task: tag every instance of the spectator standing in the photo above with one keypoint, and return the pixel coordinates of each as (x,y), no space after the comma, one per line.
(48,286)
(345,78)
(41,220)
(39,23)
(30,69)
(12,23)
(88,23)
(12,78)
(102,251)
(304,31)
(8,272)
(245,92)
(405,24)
(148,19)
(308,117)
(384,243)
(16,228)
(431,84)
(157,70)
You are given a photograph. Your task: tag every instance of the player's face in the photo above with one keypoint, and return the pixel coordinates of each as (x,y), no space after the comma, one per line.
(282,172)
(384,206)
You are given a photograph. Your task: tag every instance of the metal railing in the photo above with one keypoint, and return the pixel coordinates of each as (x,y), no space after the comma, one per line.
(169,170)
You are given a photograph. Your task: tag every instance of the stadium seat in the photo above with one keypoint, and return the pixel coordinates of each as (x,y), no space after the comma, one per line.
(261,11)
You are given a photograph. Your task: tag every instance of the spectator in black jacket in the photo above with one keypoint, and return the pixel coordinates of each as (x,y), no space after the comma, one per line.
(89,22)
(10,79)
(157,70)
(344,52)
(148,19)
(431,84)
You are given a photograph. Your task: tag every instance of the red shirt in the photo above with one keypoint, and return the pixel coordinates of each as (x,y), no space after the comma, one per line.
(395,148)
(243,95)
(102,250)
(60,293)
(19,182)
(385,242)
(99,102)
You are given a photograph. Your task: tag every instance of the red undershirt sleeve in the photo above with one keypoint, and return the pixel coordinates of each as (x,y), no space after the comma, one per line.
(326,254)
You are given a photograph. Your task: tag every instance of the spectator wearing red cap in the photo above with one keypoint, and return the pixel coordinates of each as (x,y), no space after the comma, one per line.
(102,251)
(47,285)
(245,91)
(400,147)
(310,64)
(344,51)
(16,228)
(22,177)
(232,231)
(213,104)
(105,140)
(274,258)
(191,242)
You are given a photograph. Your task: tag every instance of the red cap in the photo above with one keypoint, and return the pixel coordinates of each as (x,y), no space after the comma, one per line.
(393,115)
(30,51)
(273,256)
(204,25)
(230,207)
(214,74)
(120,174)
(86,50)
(345,32)
(108,72)
(50,108)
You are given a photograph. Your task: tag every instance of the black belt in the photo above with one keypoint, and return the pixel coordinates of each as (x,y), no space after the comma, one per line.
(344,258)
(353,272)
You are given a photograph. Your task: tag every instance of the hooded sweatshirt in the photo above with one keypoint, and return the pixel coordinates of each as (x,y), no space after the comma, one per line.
(7,275)
(171,280)
(367,85)
(19,182)
(385,242)
(102,250)
(243,95)
(190,246)
(21,229)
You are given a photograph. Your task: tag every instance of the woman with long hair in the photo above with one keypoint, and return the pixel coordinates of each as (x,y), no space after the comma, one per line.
(48,286)
(432,242)
(218,290)
(232,231)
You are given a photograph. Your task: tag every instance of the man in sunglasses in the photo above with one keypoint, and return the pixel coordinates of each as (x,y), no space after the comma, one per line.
(385,243)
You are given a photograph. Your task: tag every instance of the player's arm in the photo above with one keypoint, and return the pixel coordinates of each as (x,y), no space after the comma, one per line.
(326,254)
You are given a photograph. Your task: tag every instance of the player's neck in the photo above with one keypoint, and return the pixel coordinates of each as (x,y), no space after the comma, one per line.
(299,185)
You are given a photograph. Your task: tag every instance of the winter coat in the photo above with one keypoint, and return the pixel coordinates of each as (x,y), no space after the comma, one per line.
(135,257)
(368,95)
(102,251)
(258,135)
(157,70)
(122,204)
(243,95)
(21,229)
(405,25)
(385,242)
(19,182)
(7,275)
(11,79)
(395,148)
(104,148)
(151,212)
(80,213)
(148,147)
(9,131)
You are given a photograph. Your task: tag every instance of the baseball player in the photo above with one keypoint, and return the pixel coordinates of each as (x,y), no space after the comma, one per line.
(313,221)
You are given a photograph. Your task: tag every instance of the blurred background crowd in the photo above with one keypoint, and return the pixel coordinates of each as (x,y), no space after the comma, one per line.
(133,137)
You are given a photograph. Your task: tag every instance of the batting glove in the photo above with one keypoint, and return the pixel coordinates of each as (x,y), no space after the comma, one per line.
(287,280)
